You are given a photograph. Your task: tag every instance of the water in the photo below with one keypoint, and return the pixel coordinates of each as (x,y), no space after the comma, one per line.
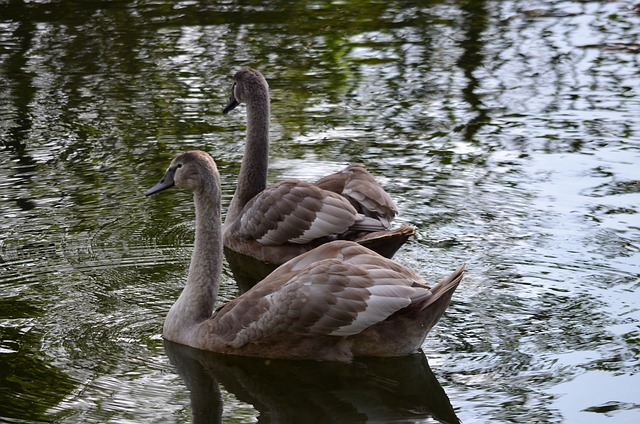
(507,132)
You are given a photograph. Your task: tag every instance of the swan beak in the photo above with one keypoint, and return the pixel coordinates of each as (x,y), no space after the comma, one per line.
(166,182)
(231,105)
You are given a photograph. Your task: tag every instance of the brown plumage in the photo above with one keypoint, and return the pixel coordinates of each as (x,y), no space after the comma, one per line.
(357,185)
(334,302)
(277,223)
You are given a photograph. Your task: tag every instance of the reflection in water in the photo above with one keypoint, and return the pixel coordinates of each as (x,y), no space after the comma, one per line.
(475,23)
(247,271)
(381,390)
(19,373)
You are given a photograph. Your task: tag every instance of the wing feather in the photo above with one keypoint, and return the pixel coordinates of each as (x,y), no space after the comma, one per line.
(294,212)
(331,297)
(360,187)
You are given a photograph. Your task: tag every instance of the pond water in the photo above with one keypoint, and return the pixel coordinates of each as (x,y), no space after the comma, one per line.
(508,132)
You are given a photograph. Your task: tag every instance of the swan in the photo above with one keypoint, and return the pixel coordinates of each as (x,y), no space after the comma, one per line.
(274,224)
(333,303)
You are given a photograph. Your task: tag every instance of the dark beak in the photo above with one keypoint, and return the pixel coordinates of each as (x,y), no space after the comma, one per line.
(232,103)
(166,182)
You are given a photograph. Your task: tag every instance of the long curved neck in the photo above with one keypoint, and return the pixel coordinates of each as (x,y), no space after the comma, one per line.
(253,170)
(197,300)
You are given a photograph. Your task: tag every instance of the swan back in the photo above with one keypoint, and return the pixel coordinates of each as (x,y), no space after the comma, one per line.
(334,302)
(357,185)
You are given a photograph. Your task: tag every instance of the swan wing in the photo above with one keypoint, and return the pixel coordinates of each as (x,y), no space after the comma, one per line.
(330,297)
(295,212)
(360,187)
(348,252)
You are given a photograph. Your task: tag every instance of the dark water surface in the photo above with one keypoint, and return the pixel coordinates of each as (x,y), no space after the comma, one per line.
(507,131)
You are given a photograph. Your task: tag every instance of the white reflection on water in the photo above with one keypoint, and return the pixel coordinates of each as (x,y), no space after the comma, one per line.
(579,402)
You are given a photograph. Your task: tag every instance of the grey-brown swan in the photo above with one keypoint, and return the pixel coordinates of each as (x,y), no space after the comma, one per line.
(335,302)
(274,224)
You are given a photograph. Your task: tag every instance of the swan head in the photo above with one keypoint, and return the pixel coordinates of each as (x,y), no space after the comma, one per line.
(248,85)
(189,170)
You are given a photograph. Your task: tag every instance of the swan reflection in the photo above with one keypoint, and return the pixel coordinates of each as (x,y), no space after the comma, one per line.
(369,390)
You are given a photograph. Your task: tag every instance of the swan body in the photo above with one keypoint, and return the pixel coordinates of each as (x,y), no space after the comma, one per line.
(274,224)
(335,302)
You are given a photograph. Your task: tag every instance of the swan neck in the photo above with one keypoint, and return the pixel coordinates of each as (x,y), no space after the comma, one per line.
(205,270)
(255,162)
(197,300)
